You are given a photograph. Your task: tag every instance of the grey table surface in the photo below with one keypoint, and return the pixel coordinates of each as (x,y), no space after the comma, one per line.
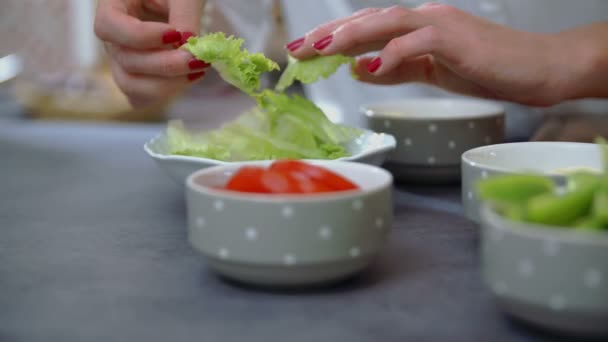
(93,248)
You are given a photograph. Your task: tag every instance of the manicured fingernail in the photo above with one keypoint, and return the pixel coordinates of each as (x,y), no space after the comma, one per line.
(185,37)
(323,43)
(195,76)
(195,64)
(171,36)
(374,65)
(296,44)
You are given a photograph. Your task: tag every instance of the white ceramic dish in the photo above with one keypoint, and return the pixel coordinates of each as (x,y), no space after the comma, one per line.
(432,134)
(539,157)
(371,148)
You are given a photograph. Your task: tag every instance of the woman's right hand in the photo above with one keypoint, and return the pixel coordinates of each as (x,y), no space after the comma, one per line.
(141,37)
(446,47)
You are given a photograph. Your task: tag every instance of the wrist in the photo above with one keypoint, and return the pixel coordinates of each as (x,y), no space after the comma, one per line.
(582,57)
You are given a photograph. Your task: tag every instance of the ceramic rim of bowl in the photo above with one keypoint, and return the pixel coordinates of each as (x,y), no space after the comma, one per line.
(293,198)
(374,110)
(466,156)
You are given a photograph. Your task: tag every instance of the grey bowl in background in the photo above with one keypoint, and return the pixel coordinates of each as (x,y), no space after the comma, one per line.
(432,134)
(537,157)
(553,277)
(290,240)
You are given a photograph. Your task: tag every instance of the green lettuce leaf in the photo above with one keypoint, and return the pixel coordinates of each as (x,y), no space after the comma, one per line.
(236,65)
(309,115)
(310,70)
(281,127)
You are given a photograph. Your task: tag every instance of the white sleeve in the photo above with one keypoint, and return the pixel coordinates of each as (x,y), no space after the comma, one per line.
(250,20)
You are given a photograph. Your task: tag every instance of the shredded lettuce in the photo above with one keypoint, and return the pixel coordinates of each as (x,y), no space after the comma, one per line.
(310,70)
(235,65)
(282,127)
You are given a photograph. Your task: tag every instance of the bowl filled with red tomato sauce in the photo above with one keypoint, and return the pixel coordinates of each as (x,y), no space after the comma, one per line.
(289,223)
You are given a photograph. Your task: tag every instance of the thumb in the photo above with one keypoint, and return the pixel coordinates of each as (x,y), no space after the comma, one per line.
(185,15)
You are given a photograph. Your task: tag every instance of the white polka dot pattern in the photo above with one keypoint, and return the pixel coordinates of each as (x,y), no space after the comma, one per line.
(557,303)
(251,234)
(526,268)
(358,205)
(287,212)
(290,259)
(218,205)
(551,248)
(325,233)
(593,278)
(223,253)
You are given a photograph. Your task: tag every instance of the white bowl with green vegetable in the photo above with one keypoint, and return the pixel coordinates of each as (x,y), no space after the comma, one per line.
(552,159)
(279,127)
(180,152)
(544,249)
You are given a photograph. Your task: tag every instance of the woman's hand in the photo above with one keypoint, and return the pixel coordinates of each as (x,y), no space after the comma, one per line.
(141,37)
(446,47)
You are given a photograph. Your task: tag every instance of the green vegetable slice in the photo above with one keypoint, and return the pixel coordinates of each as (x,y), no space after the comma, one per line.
(311,70)
(564,209)
(514,189)
(236,65)
(283,127)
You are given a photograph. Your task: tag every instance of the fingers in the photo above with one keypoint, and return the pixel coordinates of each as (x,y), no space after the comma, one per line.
(367,31)
(302,48)
(420,69)
(144,90)
(166,63)
(425,41)
(114,24)
(185,16)
(424,69)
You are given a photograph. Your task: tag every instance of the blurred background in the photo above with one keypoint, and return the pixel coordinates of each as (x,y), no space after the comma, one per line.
(54,67)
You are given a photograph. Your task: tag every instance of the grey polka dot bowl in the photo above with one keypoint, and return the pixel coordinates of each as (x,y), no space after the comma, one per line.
(549,158)
(553,277)
(432,134)
(290,240)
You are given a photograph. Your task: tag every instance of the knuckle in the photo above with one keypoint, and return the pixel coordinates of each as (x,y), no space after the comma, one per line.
(124,83)
(397,12)
(321,30)
(366,11)
(170,64)
(122,59)
(432,35)
(349,30)
(394,46)
(439,9)
(99,28)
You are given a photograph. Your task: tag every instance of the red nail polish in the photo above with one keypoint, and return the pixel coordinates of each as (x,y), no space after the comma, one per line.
(195,76)
(195,64)
(296,44)
(171,36)
(323,43)
(185,37)
(374,65)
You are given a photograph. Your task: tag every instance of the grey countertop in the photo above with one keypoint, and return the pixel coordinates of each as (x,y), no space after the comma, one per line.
(93,248)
